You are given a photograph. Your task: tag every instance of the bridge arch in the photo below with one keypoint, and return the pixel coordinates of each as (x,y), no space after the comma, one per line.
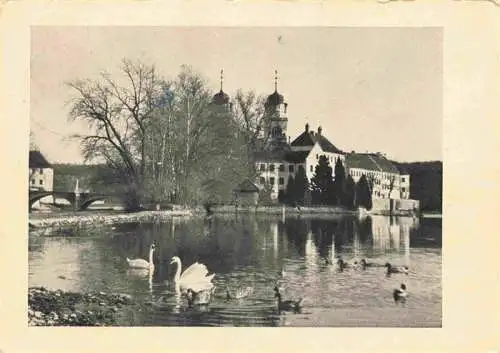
(85,203)
(34,197)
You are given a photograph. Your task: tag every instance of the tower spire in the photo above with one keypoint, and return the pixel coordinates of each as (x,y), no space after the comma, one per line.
(221,78)
(276,80)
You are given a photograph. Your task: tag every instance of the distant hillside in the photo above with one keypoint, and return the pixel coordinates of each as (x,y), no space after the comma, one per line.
(96,178)
(426,183)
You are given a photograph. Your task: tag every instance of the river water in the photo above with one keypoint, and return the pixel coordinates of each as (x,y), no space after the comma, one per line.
(252,251)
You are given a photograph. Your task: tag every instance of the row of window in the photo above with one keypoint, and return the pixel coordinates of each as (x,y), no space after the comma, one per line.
(281,181)
(330,159)
(281,168)
(33,182)
(357,173)
(385,176)
(40,171)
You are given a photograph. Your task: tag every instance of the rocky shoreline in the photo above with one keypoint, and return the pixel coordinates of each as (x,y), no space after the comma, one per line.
(58,308)
(74,219)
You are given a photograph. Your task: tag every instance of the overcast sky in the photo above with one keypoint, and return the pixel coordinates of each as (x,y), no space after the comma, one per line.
(371,89)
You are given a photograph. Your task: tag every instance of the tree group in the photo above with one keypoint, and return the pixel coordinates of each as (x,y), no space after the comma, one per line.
(165,139)
(329,187)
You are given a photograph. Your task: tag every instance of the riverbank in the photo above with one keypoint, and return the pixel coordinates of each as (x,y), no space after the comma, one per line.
(280,210)
(58,219)
(58,308)
(304,211)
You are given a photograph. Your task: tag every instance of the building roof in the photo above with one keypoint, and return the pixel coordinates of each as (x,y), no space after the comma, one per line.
(309,138)
(296,156)
(37,160)
(281,156)
(370,161)
(270,156)
(247,186)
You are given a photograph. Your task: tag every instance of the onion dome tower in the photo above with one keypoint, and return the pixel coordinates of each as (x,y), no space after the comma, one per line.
(276,115)
(221,98)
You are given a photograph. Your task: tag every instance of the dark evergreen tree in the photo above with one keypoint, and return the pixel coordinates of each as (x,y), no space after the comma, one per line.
(339,182)
(290,190)
(363,194)
(281,196)
(301,185)
(349,193)
(322,183)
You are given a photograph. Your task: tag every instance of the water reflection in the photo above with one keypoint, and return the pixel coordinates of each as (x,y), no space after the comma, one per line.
(251,251)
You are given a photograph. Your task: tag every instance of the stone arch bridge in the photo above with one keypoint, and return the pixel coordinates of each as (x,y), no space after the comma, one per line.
(80,201)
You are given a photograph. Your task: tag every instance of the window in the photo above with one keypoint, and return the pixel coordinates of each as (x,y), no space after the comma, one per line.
(271,167)
(282,167)
(311,168)
(33,181)
(263,167)
(317,156)
(41,181)
(262,181)
(271,181)
(281,181)
(403,179)
(40,170)
(403,189)
(290,168)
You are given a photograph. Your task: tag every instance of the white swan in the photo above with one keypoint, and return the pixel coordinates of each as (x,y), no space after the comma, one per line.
(194,277)
(141,263)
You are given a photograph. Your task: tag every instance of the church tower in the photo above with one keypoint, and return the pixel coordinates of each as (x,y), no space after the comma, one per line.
(276,118)
(221,98)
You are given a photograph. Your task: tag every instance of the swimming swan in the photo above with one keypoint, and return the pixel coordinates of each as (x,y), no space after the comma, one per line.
(194,277)
(141,263)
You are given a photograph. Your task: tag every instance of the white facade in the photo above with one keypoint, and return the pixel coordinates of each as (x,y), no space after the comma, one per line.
(405,186)
(381,183)
(41,176)
(41,179)
(312,159)
(276,173)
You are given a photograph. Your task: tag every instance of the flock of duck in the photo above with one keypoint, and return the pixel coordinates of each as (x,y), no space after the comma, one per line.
(195,282)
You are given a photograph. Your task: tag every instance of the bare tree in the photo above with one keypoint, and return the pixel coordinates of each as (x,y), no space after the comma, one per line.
(249,113)
(117,110)
(165,137)
(370,178)
(392,180)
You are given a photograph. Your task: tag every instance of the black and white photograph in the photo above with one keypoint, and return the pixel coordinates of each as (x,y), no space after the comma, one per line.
(235,176)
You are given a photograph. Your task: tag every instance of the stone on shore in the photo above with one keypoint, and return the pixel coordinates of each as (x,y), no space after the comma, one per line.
(58,308)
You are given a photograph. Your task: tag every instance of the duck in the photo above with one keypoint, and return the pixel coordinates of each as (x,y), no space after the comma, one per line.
(202,297)
(287,305)
(342,264)
(396,269)
(365,264)
(400,294)
(195,277)
(141,263)
(240,293)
